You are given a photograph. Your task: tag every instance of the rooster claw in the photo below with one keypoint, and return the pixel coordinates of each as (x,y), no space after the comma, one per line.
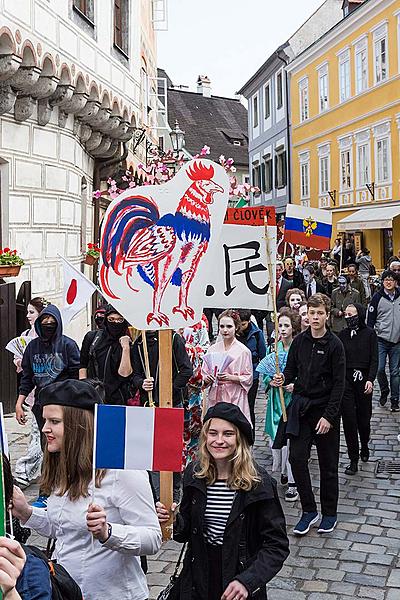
(159,318)
(187,312)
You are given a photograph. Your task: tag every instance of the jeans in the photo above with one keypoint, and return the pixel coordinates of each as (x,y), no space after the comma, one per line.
(392,350)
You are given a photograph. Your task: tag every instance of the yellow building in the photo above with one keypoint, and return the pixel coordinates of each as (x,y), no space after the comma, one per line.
(345,117)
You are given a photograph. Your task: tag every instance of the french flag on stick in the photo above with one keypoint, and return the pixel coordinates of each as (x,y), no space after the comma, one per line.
(132,437)
(307,226)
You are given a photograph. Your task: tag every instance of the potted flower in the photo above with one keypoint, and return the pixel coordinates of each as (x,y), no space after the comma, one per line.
(92,254)
(10,263)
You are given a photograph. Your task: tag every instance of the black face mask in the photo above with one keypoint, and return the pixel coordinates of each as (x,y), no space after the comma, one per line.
(48,330)
(352,322)
(116,329)
(99,320)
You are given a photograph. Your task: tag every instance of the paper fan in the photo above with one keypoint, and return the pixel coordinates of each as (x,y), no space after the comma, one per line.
(268,364)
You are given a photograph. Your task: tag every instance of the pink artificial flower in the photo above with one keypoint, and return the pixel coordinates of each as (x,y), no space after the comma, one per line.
(222,159)
(205,150)
(233,169)
(97,194)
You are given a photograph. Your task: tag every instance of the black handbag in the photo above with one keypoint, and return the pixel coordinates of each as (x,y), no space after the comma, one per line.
(172,591)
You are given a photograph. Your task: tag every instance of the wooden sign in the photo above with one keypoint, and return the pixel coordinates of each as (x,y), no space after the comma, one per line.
(255,216)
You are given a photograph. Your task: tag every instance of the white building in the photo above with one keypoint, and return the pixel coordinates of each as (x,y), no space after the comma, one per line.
(76,85)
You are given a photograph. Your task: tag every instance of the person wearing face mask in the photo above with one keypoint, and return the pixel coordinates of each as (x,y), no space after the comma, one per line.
(311,285)
(361,349)
(99,317)
(342,296)
(106,355)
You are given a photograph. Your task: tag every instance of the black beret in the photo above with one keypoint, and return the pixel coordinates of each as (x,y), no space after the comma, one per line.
(233,414)
(70,392)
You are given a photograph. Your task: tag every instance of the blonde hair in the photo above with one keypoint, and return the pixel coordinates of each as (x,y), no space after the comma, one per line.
(244,474)
(70,470)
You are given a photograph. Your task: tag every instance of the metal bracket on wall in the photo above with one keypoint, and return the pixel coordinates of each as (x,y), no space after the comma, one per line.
(371,188)
(332,196)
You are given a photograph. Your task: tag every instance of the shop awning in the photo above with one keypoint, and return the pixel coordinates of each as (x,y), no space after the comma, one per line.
(369,218)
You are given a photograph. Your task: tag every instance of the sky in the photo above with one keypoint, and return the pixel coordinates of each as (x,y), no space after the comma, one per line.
(228,40)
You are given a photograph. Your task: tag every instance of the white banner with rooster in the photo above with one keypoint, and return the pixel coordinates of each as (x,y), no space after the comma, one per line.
(158,245)
(240,274)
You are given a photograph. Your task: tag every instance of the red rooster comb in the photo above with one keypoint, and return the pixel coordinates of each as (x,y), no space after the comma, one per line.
(199,171)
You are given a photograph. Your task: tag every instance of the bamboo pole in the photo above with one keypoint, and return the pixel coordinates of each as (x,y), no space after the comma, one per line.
(165,401)
(272,278)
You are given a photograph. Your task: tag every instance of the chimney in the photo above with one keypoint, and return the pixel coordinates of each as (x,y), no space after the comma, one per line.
(204,86)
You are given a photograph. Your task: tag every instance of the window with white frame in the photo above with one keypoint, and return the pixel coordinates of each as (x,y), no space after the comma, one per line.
(382,160)
(279,90)
(256,177)
(255,111)
(323,85)
(361,66)
(267,179)
(344,76)
(304,175)
(381,57)
(280,168)
(323,174)
(304,102)
(345,170)
(363,165)
(267,101)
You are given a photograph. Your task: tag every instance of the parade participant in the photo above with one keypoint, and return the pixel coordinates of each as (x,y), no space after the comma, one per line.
(300,257)
(124,529)
(330,281)
(316,366)
(337,251)
(364,262)
(342,296)
(383,316)
(291,273)
(234,382)
(99,316)
(196,344)
(253,338)
(27,467)
(356,283)
(361,350)
(348,254)
(394,265)
(282,285)
(288,327)
(321,270)
(230,515)
(294,298)
(303,314)
(106,355)
(311,285)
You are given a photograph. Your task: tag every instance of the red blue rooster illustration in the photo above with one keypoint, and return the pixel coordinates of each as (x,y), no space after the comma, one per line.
(163,250)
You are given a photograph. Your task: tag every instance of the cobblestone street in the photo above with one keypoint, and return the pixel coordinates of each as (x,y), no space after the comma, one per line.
(359,559)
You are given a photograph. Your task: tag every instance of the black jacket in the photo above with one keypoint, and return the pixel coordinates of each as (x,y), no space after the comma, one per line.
(285,285)
(319,288)
(360,347)
(182,369)
(317,368)
(297,280)
(260,514)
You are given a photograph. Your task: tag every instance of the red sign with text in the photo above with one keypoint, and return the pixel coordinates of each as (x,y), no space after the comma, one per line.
(251,215)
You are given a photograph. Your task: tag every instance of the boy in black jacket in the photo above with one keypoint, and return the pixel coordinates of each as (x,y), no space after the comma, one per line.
(316,366)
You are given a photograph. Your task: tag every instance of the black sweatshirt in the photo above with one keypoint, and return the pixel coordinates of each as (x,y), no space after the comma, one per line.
(317,368)
(361,351)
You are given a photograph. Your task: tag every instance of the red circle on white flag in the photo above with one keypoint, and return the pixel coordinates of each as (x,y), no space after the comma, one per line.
(72,291)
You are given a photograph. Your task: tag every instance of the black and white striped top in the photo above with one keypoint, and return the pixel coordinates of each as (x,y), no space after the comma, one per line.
(219,504)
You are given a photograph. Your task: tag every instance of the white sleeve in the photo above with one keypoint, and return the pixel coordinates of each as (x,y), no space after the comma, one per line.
(41,523)
(140,532)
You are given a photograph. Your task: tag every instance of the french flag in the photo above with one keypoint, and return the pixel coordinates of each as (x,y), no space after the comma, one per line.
(137,438)
(307,226)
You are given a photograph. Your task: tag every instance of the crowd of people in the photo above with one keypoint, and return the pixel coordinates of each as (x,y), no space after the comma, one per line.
(334,335)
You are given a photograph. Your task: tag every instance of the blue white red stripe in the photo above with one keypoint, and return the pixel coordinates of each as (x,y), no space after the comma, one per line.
(132,437)
(307,226)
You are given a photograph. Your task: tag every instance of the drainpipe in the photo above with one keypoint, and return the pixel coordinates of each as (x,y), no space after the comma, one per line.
(285,61)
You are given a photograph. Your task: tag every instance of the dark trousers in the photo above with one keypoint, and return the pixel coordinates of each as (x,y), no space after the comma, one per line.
(37,411)
(328,458)
(251,397)
(209,313)
(215,587)
(356,415)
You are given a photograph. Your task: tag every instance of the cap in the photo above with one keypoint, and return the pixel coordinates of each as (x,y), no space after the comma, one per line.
(70,392)
(233,414)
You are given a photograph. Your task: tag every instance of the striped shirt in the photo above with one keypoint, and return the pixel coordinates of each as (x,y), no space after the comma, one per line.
(219,504)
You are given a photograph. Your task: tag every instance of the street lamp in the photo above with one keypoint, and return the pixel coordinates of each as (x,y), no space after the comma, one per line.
(177,138)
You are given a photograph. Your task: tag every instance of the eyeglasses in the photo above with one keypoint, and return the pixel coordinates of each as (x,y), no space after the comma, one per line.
(115,320)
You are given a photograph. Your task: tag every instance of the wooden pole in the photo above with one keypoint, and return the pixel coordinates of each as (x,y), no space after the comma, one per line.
(341,254)
(147,365)
(165,401)
(272,277)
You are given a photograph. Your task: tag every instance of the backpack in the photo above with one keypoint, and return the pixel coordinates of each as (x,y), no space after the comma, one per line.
(63,587)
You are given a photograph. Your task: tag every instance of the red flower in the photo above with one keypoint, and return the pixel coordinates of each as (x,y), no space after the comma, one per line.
(6,249)
(90,246)
(1,251)
(14,252)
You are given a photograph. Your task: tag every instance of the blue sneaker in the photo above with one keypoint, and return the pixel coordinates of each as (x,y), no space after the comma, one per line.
(41,502)
(327,524)
(304,525)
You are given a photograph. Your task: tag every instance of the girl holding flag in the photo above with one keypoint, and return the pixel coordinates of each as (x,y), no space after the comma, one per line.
(288,326)
(121,515)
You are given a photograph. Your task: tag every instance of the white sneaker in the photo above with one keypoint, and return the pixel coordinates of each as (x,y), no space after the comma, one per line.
(292,494)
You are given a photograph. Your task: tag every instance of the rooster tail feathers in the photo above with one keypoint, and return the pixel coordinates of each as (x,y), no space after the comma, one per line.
(200,171)
(129,216)
(105,286)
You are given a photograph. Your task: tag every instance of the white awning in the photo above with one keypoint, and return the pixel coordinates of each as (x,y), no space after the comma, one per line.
(369,218)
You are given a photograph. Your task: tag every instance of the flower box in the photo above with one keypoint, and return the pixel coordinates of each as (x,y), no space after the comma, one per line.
(9,270)
(90,260)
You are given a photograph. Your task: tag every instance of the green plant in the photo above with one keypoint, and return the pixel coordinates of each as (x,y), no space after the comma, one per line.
(10,257)
(93,250)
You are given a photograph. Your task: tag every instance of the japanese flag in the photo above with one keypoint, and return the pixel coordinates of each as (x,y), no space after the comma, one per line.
(78,290)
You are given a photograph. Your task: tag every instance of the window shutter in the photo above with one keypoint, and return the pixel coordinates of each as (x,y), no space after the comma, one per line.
(284,169)
(117,23)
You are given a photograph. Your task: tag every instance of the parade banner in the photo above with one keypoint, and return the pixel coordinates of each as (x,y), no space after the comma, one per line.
(142,438)
(240,277)
(158,244)
(251,215)
(308,226)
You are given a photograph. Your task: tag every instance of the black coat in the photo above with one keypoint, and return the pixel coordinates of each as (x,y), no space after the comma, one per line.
(260,514)
(281,297)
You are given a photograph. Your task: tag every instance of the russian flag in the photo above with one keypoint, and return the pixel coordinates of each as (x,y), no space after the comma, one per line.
(132,437)
(307,226)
